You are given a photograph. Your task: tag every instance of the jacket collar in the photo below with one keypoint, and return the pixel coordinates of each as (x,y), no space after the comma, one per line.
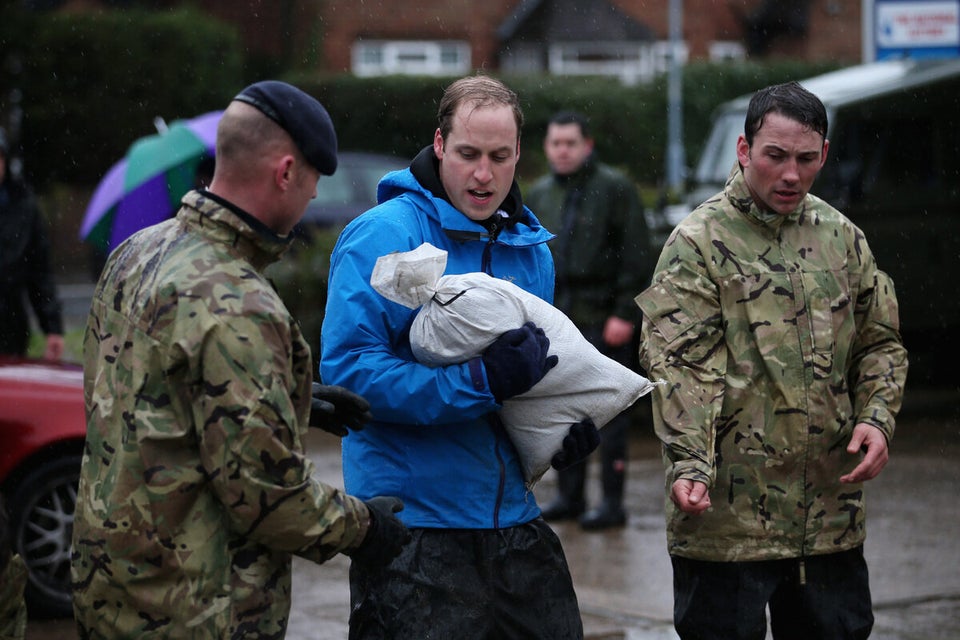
(421,181)
(581,175)
(738,194)
(426,169)
(223,221)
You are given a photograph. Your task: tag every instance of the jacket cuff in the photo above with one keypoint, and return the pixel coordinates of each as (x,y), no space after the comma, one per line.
(692,470)
(477,375)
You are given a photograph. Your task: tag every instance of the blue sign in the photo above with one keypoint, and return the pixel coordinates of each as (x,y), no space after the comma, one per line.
(916,29)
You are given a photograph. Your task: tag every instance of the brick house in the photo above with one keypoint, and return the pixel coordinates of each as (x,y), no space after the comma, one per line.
(628,38)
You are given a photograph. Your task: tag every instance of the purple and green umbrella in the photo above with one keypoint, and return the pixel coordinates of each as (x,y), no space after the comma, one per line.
(145,187)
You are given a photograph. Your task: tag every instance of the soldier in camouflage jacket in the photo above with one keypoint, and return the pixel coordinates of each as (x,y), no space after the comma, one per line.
(777,335)
(195,490)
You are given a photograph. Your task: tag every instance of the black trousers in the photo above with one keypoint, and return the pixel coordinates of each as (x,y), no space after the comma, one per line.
(825,597)
(469,584)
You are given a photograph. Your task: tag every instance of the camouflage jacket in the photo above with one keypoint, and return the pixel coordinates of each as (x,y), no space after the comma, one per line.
(776,336)
(13,608)
(195,489)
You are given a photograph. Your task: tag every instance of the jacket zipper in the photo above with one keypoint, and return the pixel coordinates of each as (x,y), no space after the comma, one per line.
(486,262)
(499,433)
(801,565)
(486,265)
(500,485)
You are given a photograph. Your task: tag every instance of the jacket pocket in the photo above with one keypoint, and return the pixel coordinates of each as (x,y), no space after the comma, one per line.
(661,307)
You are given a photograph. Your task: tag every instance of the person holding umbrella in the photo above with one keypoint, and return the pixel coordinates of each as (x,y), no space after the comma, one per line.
(195,490)
(25,272)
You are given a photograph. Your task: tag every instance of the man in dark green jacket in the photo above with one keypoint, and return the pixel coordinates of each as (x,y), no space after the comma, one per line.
(25,270)
(602,257)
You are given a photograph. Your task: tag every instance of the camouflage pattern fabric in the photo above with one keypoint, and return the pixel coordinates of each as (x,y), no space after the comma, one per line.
(776,336)
(13,608)
(195,489)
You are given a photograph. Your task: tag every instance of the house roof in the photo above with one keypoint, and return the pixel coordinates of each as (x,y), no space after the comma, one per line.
(571,20)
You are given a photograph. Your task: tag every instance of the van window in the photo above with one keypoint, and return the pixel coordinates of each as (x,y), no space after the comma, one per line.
(720,151)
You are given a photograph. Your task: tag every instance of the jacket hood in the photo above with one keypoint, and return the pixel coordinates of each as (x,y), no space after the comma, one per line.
(422,182)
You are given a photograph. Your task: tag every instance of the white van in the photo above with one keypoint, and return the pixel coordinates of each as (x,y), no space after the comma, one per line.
(894,169)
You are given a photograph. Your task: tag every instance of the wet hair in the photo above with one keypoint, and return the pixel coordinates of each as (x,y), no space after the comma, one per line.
(572,117)
(480,91)
(789,100)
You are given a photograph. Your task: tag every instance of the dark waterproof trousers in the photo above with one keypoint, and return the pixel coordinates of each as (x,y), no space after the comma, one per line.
(824,597)
(469,584)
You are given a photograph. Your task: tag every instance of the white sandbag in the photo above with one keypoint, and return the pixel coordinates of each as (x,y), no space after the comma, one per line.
(461,315)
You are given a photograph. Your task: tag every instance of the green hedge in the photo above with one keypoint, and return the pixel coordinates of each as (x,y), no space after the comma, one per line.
(397,114)
(92,83)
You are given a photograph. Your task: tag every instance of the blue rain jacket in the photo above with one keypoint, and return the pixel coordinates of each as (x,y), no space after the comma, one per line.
(436,441)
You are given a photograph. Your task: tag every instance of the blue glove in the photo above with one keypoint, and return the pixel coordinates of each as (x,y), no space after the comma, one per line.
(516,361)
(386,536)
(579,442)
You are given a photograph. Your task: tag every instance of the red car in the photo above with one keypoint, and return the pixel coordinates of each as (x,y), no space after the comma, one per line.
(42,430)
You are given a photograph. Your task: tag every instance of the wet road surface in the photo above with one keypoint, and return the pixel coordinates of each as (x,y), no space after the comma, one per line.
(623,576)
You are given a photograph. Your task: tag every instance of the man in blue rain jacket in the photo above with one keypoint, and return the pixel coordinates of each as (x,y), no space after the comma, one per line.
(482,562)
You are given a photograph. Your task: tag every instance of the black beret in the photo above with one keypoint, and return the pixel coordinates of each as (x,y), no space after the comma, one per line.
(300,115)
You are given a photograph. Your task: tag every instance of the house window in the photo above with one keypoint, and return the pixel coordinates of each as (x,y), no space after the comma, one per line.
(661,55)
(723,50)
(522,58)
(370,56)
(630,61)
(412,57)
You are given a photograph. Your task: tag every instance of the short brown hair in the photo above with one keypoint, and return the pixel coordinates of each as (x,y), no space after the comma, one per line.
(790,100)
(482,91)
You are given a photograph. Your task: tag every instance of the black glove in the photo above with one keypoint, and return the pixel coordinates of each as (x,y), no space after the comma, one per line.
(579,442)
(517,360)
(335,409)
(386,535)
